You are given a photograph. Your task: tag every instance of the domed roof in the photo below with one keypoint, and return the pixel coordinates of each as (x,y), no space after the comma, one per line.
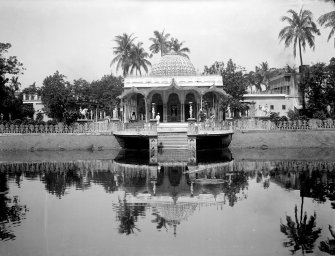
(173,64)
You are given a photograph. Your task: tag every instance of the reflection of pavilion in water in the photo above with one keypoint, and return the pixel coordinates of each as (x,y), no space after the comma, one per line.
(175,192)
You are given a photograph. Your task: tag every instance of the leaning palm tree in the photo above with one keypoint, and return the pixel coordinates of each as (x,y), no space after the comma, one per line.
(160,43)
(301,30)
(122,52)
(177,47)
(138,59)
(328,21)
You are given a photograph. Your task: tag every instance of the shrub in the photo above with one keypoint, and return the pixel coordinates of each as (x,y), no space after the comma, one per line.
(52,122)
(71,117)
(39,117)
(283,118)
(274,117)
(17,121)
(293,114)
(320,115)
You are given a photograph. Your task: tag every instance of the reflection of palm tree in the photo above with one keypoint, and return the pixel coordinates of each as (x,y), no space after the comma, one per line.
(329,245)
(127,216)
(161,222)
(301,234)
(11,212)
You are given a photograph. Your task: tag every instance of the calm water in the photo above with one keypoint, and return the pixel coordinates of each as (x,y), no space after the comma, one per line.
(229,204)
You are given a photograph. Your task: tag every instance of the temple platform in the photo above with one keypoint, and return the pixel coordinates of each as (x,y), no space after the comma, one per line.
(183,137)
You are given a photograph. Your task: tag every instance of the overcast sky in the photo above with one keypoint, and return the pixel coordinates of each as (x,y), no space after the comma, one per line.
(76,36)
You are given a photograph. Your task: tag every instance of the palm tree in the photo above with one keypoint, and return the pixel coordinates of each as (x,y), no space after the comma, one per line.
(300,31)
(122,52)
(138,59)
(328,21)
(160,43)
(177,47)
(265,73)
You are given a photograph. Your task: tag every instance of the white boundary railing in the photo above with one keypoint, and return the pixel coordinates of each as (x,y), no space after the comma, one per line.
(194,128)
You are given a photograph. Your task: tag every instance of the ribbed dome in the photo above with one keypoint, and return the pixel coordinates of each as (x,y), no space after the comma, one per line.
(173,64)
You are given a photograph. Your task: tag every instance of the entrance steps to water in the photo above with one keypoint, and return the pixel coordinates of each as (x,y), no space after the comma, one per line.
(172,135)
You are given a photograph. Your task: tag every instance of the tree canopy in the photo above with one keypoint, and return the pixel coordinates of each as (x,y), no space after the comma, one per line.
(234,83)
(56,95)
(328,21)
(62,99)
(130,56)
(10,69)
(301,31)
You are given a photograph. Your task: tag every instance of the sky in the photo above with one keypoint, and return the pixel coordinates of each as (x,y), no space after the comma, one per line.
(76,37)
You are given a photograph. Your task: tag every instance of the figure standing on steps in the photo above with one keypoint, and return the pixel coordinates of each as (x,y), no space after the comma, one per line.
(158,117)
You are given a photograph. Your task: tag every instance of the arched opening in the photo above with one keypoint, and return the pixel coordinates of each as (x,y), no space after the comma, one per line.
(212,105)
(157,102)
(190,100)
(136,108)
(173,108)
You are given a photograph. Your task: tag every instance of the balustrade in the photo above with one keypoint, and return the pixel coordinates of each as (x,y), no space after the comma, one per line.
(194,127)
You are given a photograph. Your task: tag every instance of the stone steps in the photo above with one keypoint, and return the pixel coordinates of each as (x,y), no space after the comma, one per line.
(172,136)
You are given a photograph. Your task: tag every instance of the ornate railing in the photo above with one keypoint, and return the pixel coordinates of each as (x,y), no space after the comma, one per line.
(138,127)
(255,124)
(194,127)
(60,128)
(208,126)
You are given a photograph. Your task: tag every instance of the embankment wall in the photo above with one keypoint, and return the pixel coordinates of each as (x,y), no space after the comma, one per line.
(32,142)
(284,139)
(245,139)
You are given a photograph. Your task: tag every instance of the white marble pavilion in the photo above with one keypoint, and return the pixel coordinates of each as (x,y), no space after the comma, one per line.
(172,89)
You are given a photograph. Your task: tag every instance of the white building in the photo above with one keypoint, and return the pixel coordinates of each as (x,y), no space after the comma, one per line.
(36,102)
(283,95)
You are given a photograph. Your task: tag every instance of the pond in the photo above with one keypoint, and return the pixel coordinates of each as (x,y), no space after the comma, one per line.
(244,202)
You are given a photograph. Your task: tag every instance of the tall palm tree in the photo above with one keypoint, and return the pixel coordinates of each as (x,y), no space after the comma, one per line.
(177,47)
(265,73)
(122,52)
(328,21)
(160,43)
(138,59)
(301,30)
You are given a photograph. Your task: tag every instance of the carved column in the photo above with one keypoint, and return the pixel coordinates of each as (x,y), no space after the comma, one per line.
(164,113)
(146,109)
(182,112)
(192,149)
(153,150)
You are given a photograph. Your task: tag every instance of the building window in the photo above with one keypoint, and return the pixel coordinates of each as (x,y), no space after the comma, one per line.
(287,78)
(26,96)
(271,107)
(283,107)
(32,97)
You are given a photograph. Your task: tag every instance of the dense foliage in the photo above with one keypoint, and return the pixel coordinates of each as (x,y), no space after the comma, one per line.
(63,100)
(10,69)
(234,83)
(319,84)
